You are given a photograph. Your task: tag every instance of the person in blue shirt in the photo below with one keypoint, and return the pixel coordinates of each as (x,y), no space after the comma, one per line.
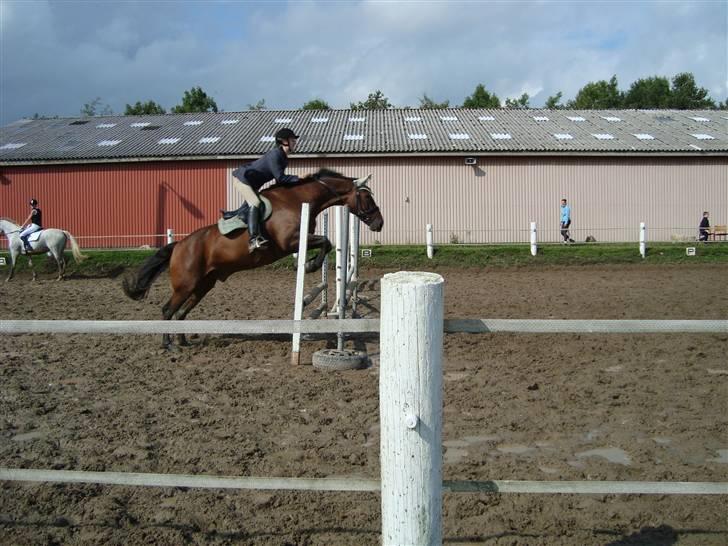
(249,178)
(565,222)
(34,223)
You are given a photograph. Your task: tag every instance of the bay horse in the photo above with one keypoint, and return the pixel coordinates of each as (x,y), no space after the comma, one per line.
(50,240)
(206,256)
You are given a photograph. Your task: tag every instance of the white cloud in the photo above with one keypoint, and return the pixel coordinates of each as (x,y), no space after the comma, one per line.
(58,55)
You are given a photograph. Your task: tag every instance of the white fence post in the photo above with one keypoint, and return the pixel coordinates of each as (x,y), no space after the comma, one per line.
(300,275)
(170,236)
(534,244)
(430,247)
(342,266)
(410,394)
(643,240)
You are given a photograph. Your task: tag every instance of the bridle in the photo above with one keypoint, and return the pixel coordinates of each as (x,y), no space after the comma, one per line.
(366,215)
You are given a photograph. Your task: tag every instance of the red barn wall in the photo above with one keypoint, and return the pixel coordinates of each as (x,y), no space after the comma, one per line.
(110,201)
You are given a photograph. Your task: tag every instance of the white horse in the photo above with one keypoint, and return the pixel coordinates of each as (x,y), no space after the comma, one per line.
(50,240)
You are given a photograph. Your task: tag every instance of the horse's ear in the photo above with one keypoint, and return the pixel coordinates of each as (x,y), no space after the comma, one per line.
(362,181)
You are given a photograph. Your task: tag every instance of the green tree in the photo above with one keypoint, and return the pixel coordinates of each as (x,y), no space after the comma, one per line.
(375,101)
(653,92)
(601,95)
(723,105)
(195,100)
(260,105)
(316,104)
(428,104)
(686,95)
(552,103)
(521,102)
(481,98)
(143,108)
(95,108)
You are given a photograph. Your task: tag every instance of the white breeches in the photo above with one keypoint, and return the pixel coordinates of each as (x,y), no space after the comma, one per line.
(32,228)
(247,193)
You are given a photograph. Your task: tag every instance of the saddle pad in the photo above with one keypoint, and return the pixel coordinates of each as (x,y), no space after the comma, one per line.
(35,235)
(231,224)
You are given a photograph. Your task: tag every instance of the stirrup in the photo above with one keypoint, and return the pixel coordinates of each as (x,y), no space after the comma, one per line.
(256,243)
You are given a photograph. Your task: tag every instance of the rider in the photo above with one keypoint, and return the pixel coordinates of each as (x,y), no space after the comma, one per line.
(249,179)
(36,224)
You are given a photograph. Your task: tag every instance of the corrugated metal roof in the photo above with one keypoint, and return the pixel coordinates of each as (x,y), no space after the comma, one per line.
(379,132)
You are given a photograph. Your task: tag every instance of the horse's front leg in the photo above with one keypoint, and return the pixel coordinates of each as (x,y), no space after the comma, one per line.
(12,268)
(30,263)
(324,247)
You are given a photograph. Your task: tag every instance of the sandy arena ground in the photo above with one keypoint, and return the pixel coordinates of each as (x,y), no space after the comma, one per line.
(517,406)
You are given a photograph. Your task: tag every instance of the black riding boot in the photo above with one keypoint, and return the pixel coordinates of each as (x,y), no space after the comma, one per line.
(256,240)
(26,244)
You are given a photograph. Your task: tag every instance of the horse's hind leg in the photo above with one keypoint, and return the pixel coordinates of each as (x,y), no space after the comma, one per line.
(61,263)
(170,308)
(200,291)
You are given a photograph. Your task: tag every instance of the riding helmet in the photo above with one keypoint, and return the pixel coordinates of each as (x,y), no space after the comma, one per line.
(33,202)
(284,134)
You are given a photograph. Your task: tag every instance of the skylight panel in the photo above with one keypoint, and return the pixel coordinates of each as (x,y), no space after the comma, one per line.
(13,145)
(603,136)
(193,122)
(169,140)
(105,125)
(319,120)
(703,136)
(357,120)
(140,124)
(267,139)
(448,118)
(576,118)
(108,143)
(417,136)
(563,136)
(459,136)
(353,137)
(229,121)
(209,140)
(696,147)
(643,136)
(540,118)
(698,118)
(500,136)
(486,118)
(413,119)
(283,120)
(611,118)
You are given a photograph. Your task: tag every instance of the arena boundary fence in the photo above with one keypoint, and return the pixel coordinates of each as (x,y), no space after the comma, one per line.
(412,328)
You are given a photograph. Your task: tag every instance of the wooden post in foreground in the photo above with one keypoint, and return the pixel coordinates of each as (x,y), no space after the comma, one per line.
(410,394)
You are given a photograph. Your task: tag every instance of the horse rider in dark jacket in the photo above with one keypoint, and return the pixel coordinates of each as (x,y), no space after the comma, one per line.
(249,179)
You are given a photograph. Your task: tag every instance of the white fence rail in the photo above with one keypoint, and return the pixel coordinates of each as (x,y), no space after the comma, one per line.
(411,405)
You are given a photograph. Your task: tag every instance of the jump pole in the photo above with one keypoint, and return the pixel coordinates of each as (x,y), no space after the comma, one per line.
(410,394)
(342,255)
(300,275)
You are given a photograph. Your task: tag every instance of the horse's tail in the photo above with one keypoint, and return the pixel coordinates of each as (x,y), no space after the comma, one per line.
(75,249)
(137,285)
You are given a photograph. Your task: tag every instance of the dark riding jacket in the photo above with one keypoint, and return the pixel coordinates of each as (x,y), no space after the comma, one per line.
(271,166)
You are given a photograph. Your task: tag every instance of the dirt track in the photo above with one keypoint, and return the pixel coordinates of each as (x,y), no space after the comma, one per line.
(537,407)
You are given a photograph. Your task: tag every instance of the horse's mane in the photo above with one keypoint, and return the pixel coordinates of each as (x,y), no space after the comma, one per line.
(9,220)
(321,173)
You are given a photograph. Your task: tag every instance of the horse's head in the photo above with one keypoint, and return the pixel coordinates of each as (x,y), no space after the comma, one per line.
(7,226)
(355,194)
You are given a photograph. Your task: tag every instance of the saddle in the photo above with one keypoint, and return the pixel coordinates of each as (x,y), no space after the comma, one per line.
(35,235)
(231,219)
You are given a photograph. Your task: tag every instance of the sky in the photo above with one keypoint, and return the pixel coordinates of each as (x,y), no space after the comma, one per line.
(57,55)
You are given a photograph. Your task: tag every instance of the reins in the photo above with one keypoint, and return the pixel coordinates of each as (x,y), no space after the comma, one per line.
(364,214)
